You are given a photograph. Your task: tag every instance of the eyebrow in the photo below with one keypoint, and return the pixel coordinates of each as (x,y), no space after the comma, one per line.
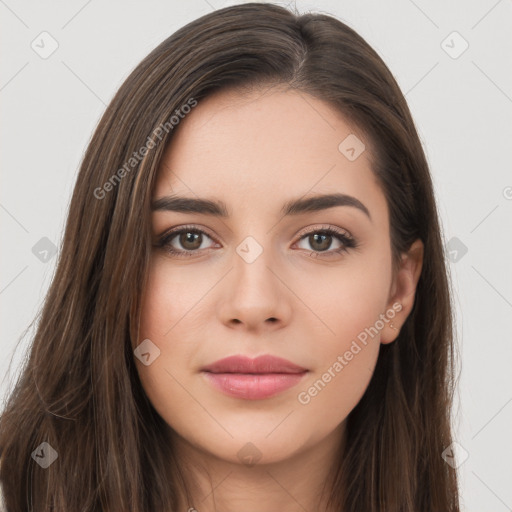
(293,207)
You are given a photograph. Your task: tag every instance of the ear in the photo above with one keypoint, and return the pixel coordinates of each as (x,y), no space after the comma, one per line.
(403,291)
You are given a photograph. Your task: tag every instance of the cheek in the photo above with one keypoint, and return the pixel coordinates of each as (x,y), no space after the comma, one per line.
(164,313)
(345,301)
(343,360)
(349,304)
(333,392)
(171,296)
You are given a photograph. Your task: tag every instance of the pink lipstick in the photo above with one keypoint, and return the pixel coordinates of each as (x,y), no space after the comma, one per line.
(253,379)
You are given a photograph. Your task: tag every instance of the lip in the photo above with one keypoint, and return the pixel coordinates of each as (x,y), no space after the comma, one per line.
(253,379)
(261,364)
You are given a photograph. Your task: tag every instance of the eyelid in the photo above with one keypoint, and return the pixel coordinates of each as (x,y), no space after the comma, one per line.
(323,227)
(191,227)
(304,231)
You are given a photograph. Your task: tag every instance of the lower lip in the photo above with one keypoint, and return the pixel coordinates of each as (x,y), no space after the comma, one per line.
(251,386)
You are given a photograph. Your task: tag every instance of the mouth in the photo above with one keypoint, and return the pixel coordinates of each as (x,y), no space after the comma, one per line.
(253,379)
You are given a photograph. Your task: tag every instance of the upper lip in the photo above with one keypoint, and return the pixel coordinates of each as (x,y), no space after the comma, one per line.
(261,364)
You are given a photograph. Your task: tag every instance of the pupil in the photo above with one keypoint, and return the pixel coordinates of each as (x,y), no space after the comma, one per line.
(323,246)
(189,240)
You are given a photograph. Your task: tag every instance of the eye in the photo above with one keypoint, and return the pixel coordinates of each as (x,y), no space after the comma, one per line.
(320,241)
(189,240)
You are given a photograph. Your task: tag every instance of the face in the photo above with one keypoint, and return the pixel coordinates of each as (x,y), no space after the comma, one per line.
(279,274)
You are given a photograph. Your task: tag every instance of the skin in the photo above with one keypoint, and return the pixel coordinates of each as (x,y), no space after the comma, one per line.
(255,151)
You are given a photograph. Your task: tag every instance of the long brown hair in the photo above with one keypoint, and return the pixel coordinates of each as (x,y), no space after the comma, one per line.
(79,390)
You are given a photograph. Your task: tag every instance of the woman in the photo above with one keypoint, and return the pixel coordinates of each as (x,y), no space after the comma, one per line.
(251,308)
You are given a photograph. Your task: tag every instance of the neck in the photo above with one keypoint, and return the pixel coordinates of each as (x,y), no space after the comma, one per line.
(301,482)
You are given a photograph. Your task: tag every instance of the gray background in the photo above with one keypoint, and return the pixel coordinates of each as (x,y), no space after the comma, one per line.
(461,103)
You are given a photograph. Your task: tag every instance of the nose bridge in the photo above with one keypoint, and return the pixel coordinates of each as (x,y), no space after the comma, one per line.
(253,293)
(252,263)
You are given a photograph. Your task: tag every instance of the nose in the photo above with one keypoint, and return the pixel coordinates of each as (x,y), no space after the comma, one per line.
(254,296)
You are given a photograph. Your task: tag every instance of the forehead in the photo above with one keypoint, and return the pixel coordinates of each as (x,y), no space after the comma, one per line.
(266,145)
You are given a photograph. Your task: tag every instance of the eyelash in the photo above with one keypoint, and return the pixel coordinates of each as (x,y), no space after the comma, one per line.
(347,241)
